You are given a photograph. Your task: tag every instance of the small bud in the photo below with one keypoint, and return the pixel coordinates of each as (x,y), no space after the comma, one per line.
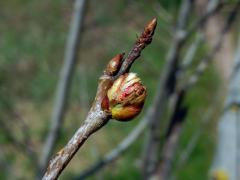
(146,36)
(114,64)
(126,97)
(149,29)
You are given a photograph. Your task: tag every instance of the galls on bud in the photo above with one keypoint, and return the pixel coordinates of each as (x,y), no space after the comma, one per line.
(126,97)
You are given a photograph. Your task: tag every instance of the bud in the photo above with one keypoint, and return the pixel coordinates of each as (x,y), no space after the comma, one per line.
(126,97)
(149,29)
(114,64)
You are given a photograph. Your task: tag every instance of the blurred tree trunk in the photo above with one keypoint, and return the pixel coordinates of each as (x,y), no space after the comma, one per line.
(226,162)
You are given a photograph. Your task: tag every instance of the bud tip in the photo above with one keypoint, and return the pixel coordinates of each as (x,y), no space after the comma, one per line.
(151,25)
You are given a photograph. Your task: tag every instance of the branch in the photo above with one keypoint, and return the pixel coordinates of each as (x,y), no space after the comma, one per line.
(140,44)
(165,86)
(116,152)
(121,147)
(137,131)
(97,117)
(167,82)
(63,86)
(211,11)
(209,57)
(189,56)
(178,113)
(172,137)
(186,153)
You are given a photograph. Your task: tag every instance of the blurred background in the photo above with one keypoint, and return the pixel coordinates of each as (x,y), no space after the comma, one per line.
(52,53)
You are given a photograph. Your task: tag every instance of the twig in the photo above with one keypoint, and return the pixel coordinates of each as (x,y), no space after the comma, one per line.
(116,152)
(185,154)
(63,86)
(212,10)
(164,167)
(189,56)
(139,128)
(140,44)
(204,62)
(97,117)
(165,88)
(137,131)
(178,113)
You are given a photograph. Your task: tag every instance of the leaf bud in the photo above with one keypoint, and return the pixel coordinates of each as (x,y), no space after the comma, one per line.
(114,65)
(126,97)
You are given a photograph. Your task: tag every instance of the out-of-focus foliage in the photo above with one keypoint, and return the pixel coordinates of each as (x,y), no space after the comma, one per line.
(32,40)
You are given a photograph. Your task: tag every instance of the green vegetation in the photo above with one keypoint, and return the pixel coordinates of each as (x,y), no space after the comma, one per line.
(33,35)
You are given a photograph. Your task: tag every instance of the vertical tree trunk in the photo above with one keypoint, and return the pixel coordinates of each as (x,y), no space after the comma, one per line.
(226,162)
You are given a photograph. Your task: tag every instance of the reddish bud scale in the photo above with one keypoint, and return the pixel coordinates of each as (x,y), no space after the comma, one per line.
(134,87)
(126,97)
(105,104)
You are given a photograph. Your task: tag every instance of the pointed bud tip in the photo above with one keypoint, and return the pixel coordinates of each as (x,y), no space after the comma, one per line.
(152,25)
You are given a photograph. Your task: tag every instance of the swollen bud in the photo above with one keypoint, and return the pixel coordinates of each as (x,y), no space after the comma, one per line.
(126,97)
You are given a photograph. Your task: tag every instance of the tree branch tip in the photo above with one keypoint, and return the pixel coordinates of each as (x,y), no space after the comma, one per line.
(146,36)
(132,97)
(151,26)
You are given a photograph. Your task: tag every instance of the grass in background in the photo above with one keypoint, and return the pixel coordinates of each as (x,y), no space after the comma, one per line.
(33,35)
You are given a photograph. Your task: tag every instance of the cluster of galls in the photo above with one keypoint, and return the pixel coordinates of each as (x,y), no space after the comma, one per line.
(125,98)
